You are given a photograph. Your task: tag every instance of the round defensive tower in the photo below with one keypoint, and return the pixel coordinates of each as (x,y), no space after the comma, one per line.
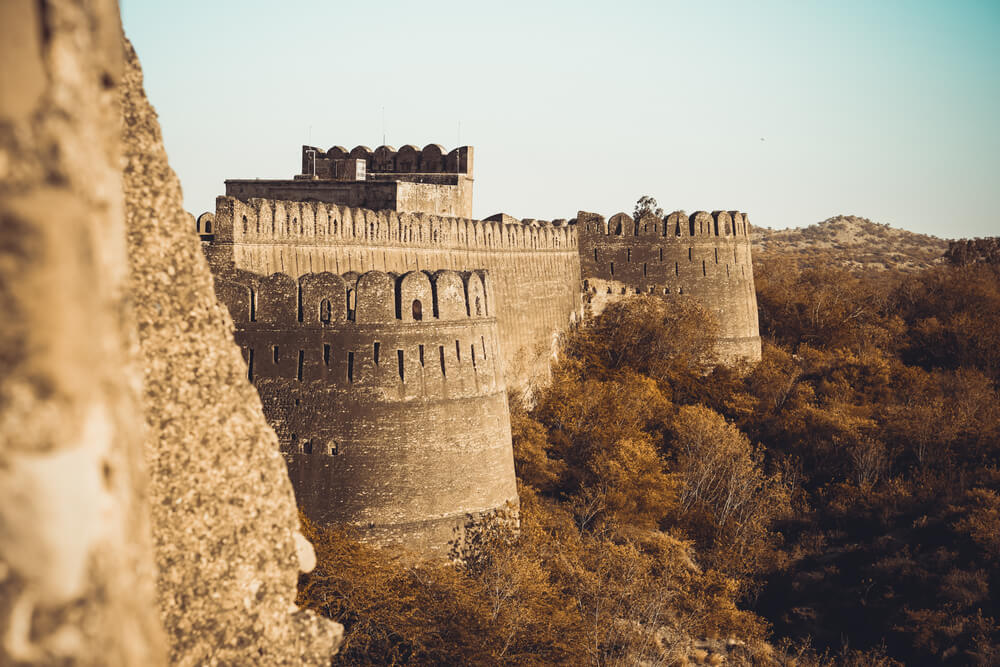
(387,395)
(704,255)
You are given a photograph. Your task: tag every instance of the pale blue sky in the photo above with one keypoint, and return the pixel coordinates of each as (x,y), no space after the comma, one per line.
(887,110)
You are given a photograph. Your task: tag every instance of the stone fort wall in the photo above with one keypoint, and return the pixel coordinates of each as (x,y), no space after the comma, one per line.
(387,395)
(704,255)
(534,266)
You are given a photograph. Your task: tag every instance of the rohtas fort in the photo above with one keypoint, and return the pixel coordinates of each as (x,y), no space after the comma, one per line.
(382,325)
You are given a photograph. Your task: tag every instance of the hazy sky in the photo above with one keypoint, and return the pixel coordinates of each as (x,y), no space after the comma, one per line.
(791,111)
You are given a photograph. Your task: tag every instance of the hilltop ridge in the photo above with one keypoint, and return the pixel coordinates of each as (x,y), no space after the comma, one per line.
(851,242)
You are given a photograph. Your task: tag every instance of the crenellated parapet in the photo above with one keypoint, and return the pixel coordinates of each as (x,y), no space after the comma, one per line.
(431,159)
(419,334)
(703,255)
(677,224)
(262,221)
(387,394)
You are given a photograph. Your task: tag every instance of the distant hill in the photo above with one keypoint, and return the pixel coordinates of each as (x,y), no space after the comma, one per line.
(851,242)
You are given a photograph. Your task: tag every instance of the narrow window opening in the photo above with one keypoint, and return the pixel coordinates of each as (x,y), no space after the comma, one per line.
(295,441)
(444,372)
(420,352)
(479,307)
(612,268)
(458,351)
(325,311)
(677,269)
(595,254)
(326,354)
(418,310)
(609,290)
(473,348)
(375,351)
(246,227)
(307,447)
(586,285)
(351,302)
(628,256)
(644,269)
(253,305)
(483,341)
(623,290)
(661,254)
(399,364)
(691,225)
(689,254)
(250,365)
(302,359)
(298,292)
(350,367)
(274,353)
(334,448)
(704,270)
(716,255)
(727,270)
(666,290)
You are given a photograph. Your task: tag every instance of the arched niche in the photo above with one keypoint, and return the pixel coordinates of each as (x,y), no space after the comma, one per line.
(416,297)
(323,298)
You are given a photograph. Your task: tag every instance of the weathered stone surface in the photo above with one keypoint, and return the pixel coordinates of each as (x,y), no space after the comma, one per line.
(223,510)
(392,415)
(704,256)
(534,266)
(76,579)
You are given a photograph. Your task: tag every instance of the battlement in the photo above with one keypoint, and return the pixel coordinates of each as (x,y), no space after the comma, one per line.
(677,224)
(431,159)
(375,297)
(705,256)
(294,222)
(386,392)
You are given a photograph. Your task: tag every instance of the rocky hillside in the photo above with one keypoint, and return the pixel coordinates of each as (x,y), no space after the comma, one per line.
(851,242)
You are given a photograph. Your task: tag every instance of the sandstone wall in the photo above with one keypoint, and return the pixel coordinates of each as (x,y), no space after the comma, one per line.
(225,524)
(534,266)
(706,256)
(76,571)
(387,395)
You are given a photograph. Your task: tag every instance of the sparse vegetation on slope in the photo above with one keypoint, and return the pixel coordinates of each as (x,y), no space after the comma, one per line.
(850,242)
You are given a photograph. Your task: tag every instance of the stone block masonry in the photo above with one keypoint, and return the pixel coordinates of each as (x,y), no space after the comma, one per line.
(534,266)
(704,255)
(381,335)
(387,396)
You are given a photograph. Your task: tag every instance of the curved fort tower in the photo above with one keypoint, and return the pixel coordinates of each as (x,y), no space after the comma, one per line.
(381,324)
(706,256)
(386,393)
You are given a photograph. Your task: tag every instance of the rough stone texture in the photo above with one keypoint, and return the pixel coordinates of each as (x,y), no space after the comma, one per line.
(223,510)
(705,256)
(76,579)
(389,404)
(534,266)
